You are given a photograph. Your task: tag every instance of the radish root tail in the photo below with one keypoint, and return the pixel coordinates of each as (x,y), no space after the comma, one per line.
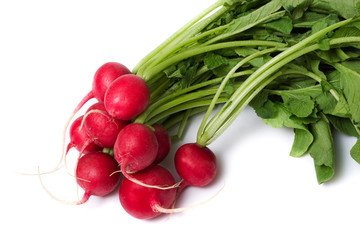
(87,97)
(158,208)
(131,178)
(85,197)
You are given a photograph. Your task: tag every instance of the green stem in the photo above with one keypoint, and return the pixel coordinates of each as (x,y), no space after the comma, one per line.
(168,98)
(255,81)
(203,49)
(182,107)
(224,82)
(175,36)
(182,99)
(177,118)
(312,75)
(183,40)
(215,132)
(183,123)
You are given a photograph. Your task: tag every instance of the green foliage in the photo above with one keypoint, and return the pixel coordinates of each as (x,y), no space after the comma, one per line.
(312,91)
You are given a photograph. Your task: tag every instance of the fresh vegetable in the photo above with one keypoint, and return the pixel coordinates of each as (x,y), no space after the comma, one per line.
(195,164)
(144,202)
(296,63)
(79,138)
(102,127)
(104,76)
(164,141)
(127,97)
(135,148)
(94,173)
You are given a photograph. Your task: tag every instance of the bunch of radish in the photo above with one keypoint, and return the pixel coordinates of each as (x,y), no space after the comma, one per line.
(114,149)
(216,59)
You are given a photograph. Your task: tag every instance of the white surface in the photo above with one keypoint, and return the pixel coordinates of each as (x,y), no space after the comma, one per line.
(49,52)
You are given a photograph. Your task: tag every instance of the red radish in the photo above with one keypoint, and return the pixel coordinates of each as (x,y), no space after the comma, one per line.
(80,139)
(127,97)
(195,164)
(164,140)
(143,202)
(135,148)
(104,76)
(94,174)
(101,126)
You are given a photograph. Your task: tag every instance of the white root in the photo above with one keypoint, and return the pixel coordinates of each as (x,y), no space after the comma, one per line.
(83,200)
(158,208)
(131,178)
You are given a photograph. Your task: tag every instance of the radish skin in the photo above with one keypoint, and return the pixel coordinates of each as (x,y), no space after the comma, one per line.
(94,174)
(104,76)
(135,147)
(127,97)
(79,137)
(101,126)
(164,140)
(195,164)
(142,202)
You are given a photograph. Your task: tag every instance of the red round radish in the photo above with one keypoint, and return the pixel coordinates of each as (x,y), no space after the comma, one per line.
(142,202)
(195,164)
(164,140)
(101,126)
(136,147)
(80,139)
(95,174)
(127,97)
(104,76)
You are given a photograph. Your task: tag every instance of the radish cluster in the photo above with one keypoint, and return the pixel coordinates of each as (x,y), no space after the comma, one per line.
(117,152)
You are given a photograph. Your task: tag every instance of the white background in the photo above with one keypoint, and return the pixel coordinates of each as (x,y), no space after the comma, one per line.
(49,52)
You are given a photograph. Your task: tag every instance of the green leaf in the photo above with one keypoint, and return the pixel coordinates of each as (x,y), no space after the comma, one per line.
(245,51)
(342,108)
(353,65)
(259,100)
(345,8)
(319,25)
(343,125)
(296,7)
(350,84)
(324,44)
(224,69)
(266,111)
(248,21)
(213,60)
(298,104)
(314,64)
(347,31)
(326,102)
(308,19)
(303,139)
(355,151)
(282,118)
(283,25)
(322,150)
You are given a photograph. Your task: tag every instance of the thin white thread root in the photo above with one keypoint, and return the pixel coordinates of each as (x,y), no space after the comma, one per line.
(52,195)
(118,171)
(88,113)
(158,208)
(134,180)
